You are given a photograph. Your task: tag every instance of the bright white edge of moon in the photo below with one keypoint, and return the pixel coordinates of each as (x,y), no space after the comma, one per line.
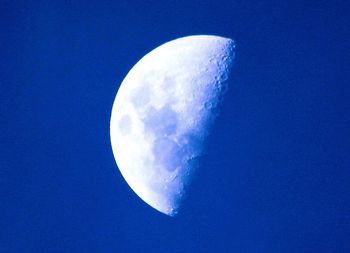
(163,112)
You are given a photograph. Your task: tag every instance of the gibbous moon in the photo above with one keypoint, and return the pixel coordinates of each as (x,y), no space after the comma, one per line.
(164,111)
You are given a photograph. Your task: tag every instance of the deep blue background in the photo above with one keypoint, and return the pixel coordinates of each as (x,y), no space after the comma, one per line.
(277,176)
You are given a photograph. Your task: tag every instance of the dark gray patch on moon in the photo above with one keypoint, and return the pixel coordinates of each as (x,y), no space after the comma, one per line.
(125,125)
(162,122)
(141,96)
(167,152)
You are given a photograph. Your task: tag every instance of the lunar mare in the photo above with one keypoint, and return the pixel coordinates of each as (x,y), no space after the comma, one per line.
(163,112)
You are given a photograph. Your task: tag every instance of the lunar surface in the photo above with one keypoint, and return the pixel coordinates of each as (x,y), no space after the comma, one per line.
(164,111)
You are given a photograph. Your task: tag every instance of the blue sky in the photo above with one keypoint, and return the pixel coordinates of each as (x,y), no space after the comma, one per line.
(276,178)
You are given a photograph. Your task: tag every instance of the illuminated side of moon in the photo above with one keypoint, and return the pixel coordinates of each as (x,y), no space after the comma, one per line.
(163,112)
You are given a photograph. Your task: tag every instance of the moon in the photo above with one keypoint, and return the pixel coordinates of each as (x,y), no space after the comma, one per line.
(163,113)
